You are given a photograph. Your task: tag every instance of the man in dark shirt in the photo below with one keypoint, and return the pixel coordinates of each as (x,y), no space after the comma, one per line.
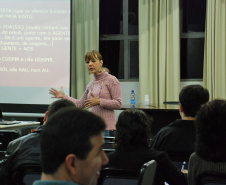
(178,138)
(26,149)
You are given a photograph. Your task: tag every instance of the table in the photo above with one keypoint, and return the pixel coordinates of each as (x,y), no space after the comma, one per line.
(162,114)
(20,125)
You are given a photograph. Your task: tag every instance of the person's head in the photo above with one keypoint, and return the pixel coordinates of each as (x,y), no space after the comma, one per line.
(94,62)
(210,131)
(133,128)
(191,98)
(55,106)
(72,146)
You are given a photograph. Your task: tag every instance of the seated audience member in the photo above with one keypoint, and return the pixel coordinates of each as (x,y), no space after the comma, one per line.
(72,148)
(178,138)
(132,149)
(26,149)
(210,147)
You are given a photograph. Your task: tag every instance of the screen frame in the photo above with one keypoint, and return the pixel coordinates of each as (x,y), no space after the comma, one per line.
(35,109)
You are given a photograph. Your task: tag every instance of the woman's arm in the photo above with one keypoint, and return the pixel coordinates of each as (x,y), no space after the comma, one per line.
(61,94)
(80,103)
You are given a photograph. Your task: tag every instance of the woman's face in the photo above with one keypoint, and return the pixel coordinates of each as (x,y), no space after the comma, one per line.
(94,65)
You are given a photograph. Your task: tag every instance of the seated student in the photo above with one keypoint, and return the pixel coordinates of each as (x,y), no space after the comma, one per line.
(178,138)
(132,149)
(210,151)
(26,149)
(72,148)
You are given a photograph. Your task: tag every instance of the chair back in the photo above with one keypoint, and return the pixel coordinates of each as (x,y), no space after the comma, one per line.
(147,173)
(6,136)
(1,116)
(109,145)
(211,178)
(27,174)
(114,176)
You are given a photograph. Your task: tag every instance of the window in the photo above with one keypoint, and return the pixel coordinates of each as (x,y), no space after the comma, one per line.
(119,44)
(193,15)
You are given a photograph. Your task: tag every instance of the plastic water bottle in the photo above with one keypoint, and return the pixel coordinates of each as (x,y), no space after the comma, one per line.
(132,98)
(146,100)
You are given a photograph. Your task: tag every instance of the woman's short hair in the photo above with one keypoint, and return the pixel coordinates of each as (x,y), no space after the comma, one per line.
(93,55)
(211,128)
(133,128)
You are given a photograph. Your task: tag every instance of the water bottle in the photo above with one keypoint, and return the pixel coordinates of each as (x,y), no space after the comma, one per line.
(132,98)
(146,100)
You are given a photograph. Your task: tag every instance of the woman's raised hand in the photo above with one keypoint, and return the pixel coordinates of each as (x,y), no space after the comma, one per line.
(56,93)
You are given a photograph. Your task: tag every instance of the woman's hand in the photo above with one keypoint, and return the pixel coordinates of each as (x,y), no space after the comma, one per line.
(56,93)
(92,101)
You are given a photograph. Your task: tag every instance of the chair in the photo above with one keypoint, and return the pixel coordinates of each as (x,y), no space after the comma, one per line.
(147,173)
(109,145)
(5,137)
(27,174)
(211,178)
(1,116)
(113,176)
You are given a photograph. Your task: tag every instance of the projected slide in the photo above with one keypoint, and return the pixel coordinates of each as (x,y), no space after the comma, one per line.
(34,49)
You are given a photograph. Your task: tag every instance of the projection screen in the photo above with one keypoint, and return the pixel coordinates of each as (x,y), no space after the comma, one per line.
(35,42)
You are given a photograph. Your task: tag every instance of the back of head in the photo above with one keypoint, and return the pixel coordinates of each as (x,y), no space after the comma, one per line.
(191,98)
(211,128)
(133,128)
(68,131)
(58,104)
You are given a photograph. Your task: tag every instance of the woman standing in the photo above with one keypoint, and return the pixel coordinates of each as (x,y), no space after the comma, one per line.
(102,95)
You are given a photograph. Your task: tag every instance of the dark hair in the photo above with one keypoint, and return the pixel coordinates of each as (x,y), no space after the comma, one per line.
(68,131)
(133,128)
(192,97)
(93,55)
(58,104)
(211,128)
